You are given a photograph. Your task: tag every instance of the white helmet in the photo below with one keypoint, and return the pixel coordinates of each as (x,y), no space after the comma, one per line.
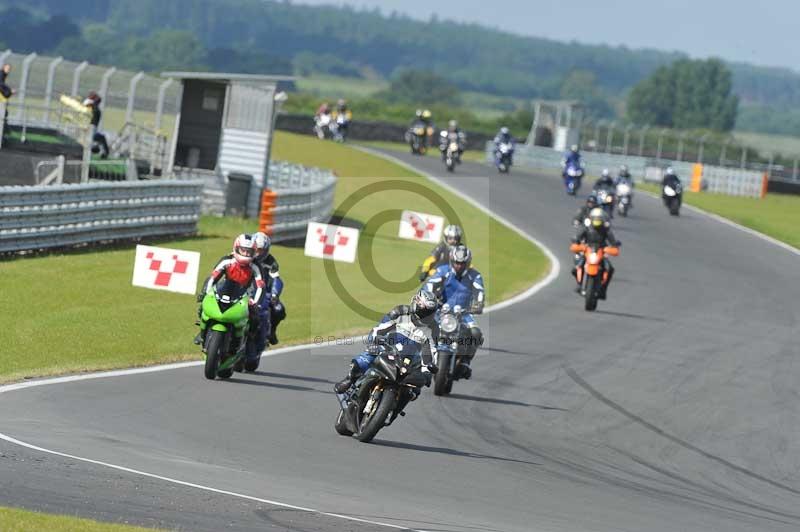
(263,243)
(453,232)
(244,249)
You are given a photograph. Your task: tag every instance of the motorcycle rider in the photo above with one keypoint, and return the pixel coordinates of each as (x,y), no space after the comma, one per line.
(451,237)
(671,180)
(238,268)
(605,181)
(583,212)
(322,118)
(270,303)
(503,137)
(457,283)
(410,325)
(598,233)
(624,176)
(452,130)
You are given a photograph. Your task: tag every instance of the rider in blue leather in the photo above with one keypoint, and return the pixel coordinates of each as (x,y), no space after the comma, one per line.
(457,283)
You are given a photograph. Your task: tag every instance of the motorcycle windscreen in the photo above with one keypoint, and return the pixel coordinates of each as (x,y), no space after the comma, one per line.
(229,293)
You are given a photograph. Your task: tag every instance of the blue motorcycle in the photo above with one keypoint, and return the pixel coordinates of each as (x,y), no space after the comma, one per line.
(573,173)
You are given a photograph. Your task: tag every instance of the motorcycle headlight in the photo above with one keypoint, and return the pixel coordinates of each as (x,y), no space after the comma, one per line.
(623,189)
(669,191)
(448,324)
(594,258)
(609,199)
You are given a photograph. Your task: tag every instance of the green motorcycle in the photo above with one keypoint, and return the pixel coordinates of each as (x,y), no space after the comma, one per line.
(224,322)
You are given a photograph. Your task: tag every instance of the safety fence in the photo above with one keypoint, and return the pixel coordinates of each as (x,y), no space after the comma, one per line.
(296,195)
(43,217)
(287,206)
(707,178)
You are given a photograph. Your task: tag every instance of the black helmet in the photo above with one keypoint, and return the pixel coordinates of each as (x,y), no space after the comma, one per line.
(424,305)
(591,201)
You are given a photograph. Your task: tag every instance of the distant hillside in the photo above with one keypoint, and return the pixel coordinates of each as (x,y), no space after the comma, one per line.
(344,41)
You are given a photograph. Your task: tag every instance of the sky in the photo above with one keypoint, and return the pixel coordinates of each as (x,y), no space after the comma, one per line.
(763,32)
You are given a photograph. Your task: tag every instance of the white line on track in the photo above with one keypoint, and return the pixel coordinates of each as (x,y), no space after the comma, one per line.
(554,270)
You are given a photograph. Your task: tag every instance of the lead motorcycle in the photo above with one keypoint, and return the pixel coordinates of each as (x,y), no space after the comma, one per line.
(450,348)
(376,399)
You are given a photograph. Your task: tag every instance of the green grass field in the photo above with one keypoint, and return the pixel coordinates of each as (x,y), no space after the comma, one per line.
(14,520)
(776,215)
(83,314)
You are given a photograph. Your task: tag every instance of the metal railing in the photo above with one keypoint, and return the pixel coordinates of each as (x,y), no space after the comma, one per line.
(730,181)
(43,217)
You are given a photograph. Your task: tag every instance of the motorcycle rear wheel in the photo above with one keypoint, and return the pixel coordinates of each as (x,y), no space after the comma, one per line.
(340,426)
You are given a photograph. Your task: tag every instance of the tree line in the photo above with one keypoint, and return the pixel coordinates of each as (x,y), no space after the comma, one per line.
(281,37)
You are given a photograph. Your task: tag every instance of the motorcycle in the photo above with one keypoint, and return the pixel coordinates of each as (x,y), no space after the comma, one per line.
(573,174)
(503,157)
(450,348)
(321,123)
(673,196)
(392,381)
(417,138)
(451,150)
(624,198)
(225,320)
(606,198)
(590,275)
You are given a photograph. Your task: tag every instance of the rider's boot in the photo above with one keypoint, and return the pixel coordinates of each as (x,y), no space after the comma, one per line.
(352,376)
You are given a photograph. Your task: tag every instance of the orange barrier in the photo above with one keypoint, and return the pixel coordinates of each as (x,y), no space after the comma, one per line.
(266,218)
(764,184)
(695,184)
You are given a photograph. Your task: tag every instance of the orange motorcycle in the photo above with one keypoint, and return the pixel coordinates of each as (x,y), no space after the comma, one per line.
(590,272)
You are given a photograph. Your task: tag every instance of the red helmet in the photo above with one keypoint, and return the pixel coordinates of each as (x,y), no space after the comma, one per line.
(244,249)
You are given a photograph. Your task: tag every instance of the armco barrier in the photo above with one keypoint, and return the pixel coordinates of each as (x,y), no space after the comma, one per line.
(282,177)
(287,208)
(43,217)
(719,180)
(542,158)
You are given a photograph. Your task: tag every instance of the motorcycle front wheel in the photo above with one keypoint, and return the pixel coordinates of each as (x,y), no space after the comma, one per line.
(214,341)
(440,382)
(591,294)
(370,423)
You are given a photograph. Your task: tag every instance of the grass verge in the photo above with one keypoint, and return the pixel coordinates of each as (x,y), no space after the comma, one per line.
(14,520)
(82,314)
(775,215)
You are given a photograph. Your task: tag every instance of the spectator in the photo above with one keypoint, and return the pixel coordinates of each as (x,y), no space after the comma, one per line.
(99,142)
(5,93)
(5,90)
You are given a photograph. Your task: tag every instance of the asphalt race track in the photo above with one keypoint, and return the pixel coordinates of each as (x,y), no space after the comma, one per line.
(674,407)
